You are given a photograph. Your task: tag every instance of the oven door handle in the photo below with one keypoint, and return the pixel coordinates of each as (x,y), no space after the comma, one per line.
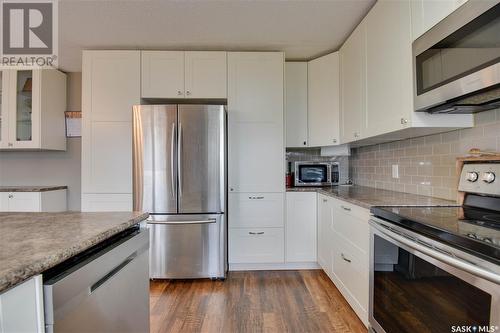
(452,261)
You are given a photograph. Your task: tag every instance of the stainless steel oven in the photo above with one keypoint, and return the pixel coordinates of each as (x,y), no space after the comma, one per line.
(316,173)
(457,62)
(421,285)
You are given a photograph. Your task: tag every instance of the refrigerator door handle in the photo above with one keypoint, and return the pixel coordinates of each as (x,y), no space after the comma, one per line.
(172,163)
(183,222)
(179,160)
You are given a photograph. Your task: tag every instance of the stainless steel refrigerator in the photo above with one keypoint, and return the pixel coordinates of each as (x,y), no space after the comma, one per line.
(179,154)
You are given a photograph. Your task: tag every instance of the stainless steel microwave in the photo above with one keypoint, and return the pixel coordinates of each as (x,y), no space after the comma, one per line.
(316,173)
(457,62)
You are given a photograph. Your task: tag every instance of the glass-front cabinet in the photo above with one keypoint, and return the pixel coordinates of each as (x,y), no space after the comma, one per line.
(33,102)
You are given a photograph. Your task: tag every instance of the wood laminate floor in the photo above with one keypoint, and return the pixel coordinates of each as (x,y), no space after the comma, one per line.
(257,301)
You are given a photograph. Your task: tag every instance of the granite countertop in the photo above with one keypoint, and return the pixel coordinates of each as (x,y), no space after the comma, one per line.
(31,243)
(368,197)
(31,188)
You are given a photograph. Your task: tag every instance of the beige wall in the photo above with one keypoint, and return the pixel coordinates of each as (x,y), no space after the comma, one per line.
(426,164)
(49,168)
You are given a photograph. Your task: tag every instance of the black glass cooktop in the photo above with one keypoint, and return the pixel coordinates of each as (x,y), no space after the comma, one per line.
(473,230)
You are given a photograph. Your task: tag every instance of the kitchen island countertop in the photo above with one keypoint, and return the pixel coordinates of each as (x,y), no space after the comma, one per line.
(31,243)
(368,197)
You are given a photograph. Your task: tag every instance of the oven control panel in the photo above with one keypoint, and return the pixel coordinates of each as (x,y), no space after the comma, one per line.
(481,178)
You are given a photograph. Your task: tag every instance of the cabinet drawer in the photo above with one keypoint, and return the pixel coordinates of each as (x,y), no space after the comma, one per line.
(350,266)
(24,202)
(255,210)
(254,245)
(351,222)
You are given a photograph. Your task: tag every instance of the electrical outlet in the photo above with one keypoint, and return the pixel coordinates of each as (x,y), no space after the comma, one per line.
(395,171)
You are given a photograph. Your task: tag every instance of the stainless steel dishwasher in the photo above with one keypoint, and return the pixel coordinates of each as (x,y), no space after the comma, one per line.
(104,289)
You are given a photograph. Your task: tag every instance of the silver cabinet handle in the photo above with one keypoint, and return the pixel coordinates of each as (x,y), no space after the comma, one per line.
(182,222)
(11,196)
(346,208)
(179,161)
(345,259)
(172,162)
(255,198)
(334,140)
(356,134)
(10,144)
(256,233)
(325,200)
(231,189)
(404,121)
(188,92)
(179,92)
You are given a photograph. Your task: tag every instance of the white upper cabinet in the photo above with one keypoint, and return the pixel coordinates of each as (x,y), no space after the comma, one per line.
(110,88)
(389,94)
(162,74)
(323,100)
(296,104)
(427,13)
(33,102)
(255,122)
(353,85)
(179,74)
(205,74)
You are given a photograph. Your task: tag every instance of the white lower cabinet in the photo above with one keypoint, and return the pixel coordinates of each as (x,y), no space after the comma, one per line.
(48,201)
(343,249)
(256,232)
(256,245)
(256,210)
(300,231)
(21,308)
(325,220)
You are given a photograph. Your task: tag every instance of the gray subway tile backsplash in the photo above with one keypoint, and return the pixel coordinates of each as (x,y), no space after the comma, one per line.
(426,164)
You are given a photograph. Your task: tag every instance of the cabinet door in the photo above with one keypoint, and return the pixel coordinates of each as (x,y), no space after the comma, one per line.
(256,210)
(4,108)
(162,74)
(301,225)
(296,104)
(353,81)
(110,85)
(107,158)
(24,108)
(323,100)
(427,13)
(206,74)
(21,308)
(389,67)
(264,245)
(255,120)
(325,216)
(24,202)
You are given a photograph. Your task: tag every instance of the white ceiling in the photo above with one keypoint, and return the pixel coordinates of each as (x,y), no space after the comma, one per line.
(303,29)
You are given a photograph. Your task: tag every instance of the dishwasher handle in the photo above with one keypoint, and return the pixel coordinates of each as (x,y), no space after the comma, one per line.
(112,273)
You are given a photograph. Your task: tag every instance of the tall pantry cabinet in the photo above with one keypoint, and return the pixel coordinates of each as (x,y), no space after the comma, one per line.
(256,157)
(111,86)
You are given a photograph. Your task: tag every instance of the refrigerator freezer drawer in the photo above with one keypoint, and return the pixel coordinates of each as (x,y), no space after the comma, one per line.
(187,246)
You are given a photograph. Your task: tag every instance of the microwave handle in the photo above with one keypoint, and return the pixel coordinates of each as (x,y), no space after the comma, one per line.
(452,261)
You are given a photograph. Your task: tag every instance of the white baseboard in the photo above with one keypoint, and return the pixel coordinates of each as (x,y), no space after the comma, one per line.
(273,266)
